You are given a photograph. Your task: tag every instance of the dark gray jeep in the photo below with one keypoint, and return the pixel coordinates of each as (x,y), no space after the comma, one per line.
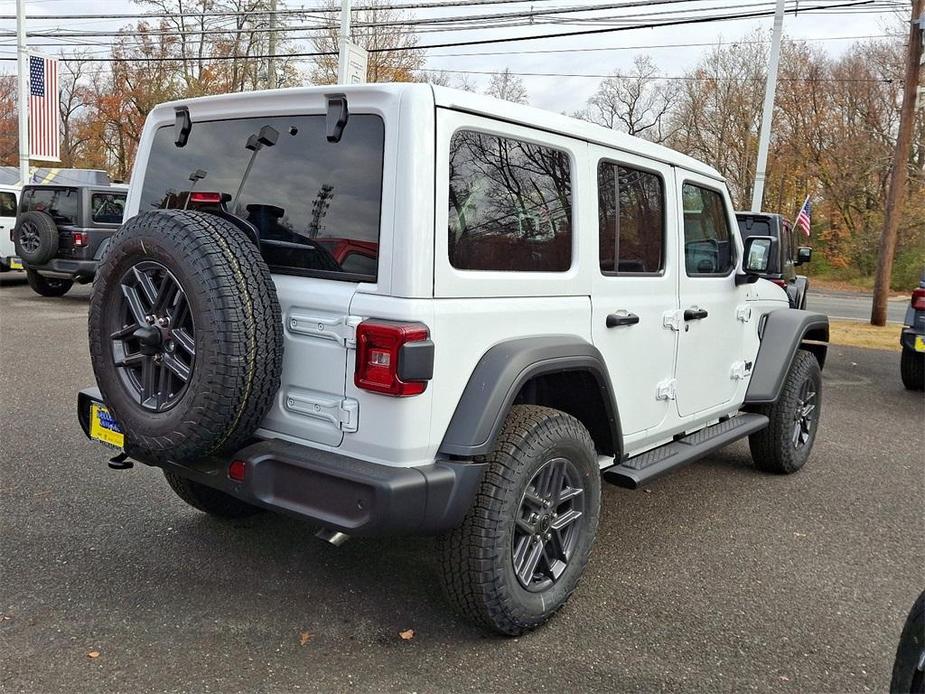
(62,231)
(786,255)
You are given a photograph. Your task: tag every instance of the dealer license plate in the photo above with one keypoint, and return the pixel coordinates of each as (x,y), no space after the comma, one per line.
(103,427)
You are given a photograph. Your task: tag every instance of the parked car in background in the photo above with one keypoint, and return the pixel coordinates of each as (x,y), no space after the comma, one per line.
(9,198)
(912,363)
(786,255)
(62,231)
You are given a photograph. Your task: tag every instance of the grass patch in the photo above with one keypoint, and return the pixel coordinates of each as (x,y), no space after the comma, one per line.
(858,334)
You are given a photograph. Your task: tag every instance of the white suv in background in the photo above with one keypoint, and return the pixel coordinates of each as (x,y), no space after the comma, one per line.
(9,202)
(406,309)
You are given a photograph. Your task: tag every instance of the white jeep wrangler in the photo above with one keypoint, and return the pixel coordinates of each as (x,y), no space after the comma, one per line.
(406,309)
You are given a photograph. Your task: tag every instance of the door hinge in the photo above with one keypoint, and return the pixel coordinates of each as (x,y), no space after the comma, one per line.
(740,370)
(673,319)
(744,313)
(339,329)
(666,390)
(344,413)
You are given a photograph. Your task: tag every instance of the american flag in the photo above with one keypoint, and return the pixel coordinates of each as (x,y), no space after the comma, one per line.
(43,108)
(803,217)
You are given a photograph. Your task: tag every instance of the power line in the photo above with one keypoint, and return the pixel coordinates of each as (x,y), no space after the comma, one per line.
(482,42)
(691,78)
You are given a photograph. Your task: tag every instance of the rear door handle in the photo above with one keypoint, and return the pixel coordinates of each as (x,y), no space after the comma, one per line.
(615,320)
(695,313)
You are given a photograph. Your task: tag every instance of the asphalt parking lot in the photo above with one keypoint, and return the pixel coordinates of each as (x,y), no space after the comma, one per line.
(715,579)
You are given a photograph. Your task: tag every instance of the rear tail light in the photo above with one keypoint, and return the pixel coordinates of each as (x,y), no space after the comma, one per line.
(81,239)
(780,283)
(379,353)
(918,299)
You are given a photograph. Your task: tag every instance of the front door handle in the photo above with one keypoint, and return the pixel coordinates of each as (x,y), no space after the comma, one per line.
(615,320)
(695,313)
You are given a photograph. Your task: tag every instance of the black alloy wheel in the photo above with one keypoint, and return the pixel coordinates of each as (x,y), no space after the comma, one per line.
(805,414)
(546,530)
(29,239)
(153,336)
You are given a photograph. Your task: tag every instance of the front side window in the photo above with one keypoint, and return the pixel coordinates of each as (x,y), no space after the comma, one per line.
(315,204)
(631,219)
(708,245)
(510,205)
(7,204)
(60,203)
(107,208)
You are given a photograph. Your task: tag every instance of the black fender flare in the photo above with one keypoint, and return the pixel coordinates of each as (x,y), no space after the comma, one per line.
(502,372)
(782,333)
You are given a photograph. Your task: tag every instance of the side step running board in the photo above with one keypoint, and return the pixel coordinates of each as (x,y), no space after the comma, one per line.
(643,468)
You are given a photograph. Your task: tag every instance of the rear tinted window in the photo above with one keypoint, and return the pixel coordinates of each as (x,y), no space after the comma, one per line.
(61,203)
(107,208)
(313,202)
(630,219)
(7,204)
(510,205)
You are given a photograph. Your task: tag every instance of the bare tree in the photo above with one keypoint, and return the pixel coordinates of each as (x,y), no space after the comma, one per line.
(376,29)
(507,86)
(639,103)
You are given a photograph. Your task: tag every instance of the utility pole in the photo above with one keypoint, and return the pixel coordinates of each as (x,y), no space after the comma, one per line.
(897,191)
(272,82)
(22,64)
(767,114)
(342,38)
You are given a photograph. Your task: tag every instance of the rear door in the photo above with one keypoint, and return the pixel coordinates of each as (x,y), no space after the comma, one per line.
(635,285)
(303,197)
(711,320)
(8,204)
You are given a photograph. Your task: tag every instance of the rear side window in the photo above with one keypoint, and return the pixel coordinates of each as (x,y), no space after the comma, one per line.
(631,219)
(315,204)
(708,246)
(60,203)
(510,205)
(107,208)
(7,204)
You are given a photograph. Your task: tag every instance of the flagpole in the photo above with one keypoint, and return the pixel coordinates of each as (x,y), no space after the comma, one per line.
(22,65)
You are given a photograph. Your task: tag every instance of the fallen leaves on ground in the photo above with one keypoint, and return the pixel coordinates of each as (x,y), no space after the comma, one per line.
(304,638)
(407,634)
(93,654)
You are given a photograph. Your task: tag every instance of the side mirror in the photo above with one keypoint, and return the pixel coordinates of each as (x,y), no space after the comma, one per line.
(804,255)
(757,254)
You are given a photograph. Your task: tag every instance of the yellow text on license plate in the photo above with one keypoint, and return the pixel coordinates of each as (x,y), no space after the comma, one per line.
(103,427)
(15,264)
(919,343)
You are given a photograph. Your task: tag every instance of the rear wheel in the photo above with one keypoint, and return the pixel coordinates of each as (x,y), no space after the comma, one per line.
(912,369)
(47,286)
(209,500)
(520,551)
(784,446)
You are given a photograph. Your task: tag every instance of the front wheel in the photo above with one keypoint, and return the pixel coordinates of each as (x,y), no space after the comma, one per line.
(520,551)
(47,286)
(784,446)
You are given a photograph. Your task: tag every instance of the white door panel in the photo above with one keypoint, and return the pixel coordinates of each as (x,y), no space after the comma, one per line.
(631,289)
(712,330)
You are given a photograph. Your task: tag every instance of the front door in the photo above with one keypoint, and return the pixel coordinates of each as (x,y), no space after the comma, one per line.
(711,318)
(634,285)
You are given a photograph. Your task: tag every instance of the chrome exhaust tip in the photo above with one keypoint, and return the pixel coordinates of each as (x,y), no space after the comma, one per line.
(333,537)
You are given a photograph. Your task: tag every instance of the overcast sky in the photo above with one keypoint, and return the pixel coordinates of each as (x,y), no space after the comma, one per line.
(555,93)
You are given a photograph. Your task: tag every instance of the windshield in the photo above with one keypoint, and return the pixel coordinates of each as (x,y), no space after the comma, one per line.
(315,204)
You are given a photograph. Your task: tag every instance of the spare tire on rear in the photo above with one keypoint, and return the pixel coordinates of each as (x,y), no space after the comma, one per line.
(36,237)
(186,336)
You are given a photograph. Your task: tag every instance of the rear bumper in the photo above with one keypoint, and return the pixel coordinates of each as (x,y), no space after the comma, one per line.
(908,341)
(65,269)
(333,490)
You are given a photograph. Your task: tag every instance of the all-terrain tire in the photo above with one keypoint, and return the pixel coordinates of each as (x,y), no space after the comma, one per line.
(36,237)
(47,286)
(237,334)
(780,448)
(209,500)
(907,678)
(912,369)
(477,558)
